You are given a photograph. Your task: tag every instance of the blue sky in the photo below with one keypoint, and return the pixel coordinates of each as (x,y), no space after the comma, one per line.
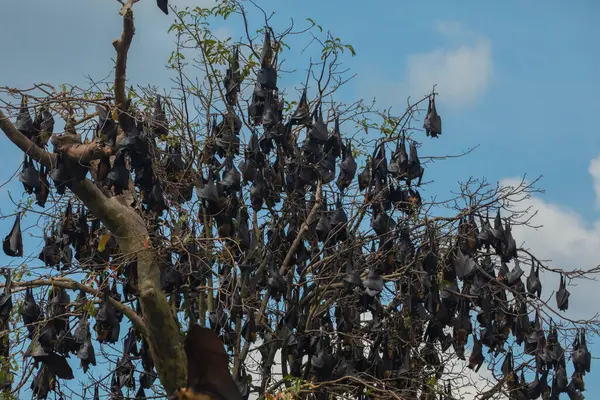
(517,78)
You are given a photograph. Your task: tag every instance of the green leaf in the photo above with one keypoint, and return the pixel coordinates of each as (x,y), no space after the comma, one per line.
(351,48)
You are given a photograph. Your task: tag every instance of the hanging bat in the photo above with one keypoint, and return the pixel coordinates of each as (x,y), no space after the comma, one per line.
(13,242)
(562,295)
(432,123)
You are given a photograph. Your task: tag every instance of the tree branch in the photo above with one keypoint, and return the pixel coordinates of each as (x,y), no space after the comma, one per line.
(122,47)
(83,153)
(66,283)
(303,229)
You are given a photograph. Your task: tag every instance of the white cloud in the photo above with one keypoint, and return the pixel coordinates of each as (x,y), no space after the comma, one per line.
(462,69)
(594,170)
(462,72)
(449,28)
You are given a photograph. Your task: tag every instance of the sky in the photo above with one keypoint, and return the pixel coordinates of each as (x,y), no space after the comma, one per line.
(518,79)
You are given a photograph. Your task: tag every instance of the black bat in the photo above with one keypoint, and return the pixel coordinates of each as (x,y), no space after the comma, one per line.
(24,123)
(119,175)
(534,285)
(29,176)
(432,123)
(163,5)
(13,242)
(562,295)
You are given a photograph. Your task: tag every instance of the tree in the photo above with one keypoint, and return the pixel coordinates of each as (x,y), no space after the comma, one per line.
(228,206)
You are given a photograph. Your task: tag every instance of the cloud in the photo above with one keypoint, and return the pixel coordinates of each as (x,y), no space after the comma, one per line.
(594,170)
(462,72)
(462,69)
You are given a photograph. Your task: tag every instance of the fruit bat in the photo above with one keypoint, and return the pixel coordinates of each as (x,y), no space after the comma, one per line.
(257,193)
(233,77)
(515,274)
(43,126)
(124,373)
(373,283)
(562,295)
(270,118)
(532,339)
(577,382)
(339,219)
(464,266)
(383,224)
(462,327)
(57,309)
(107,323)
(573,393)
(347,168)
(118,177)
(415,170)
(86,351)
(42,192)
(322,362)
(432,122)
(508,365)
(534,388)
(159,118)
(318,129)
(364,178)
(398,166)
(476,358)
(60,175)
(57,364)
(257,106)
(561,378)
(155,200)
(509,247)
(534,285)
(249,331)
(323,228)
(208,371)
(130,343)
(43,383)
(24,123)
(30,311)
(50,253)
(581,356)
(498,233)
(301,115)
(266,56)
(29,176)
(13,242)
(326,168)
(352,278)
(276,282)
(231,177)
(173,162)
(334,143)
(163,5)
(6,303)
(379,166)
(485,236)
(140,394)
